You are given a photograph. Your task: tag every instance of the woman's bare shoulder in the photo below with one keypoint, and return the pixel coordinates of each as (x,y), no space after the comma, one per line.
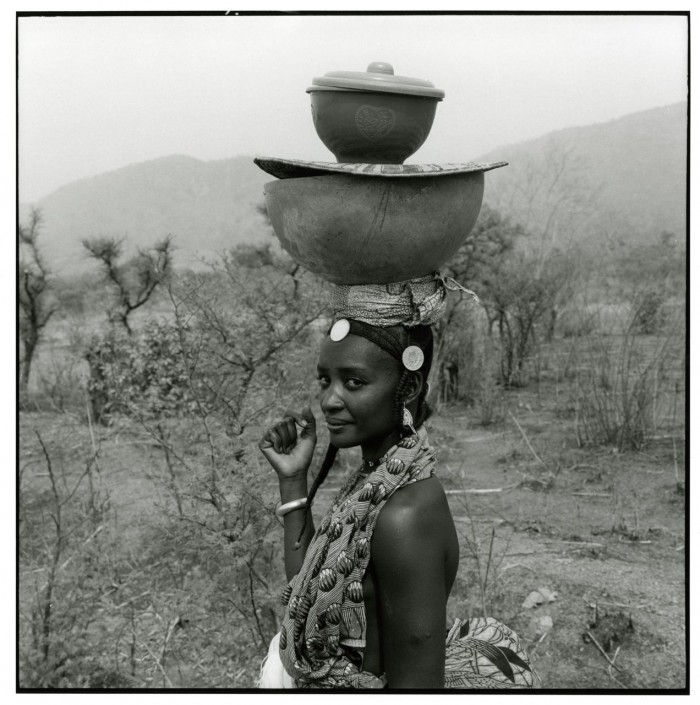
(414,509)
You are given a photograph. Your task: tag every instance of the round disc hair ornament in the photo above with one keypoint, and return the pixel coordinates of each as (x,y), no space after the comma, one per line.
(412,358)
(340,330)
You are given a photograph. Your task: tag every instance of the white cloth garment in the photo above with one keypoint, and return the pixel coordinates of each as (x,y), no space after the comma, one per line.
(272,673)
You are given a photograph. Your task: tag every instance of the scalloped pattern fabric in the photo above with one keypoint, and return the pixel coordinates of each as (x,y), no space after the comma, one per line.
(324,626)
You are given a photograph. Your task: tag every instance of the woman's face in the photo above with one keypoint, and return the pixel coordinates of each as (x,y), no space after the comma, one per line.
(358,382)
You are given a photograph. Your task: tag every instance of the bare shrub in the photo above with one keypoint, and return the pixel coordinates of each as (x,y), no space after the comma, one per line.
(59,386)
(191,603)
(486,557)
(467,361)
(617,386)
(63,558)
(579,323)
(647,318)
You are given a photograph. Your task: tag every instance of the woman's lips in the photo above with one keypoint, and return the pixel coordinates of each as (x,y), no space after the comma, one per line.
(336,424)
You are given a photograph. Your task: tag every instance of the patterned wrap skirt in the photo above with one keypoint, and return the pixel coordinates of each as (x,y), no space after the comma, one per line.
(481,654)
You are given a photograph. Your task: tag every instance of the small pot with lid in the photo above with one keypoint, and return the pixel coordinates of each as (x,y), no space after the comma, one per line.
(373,117)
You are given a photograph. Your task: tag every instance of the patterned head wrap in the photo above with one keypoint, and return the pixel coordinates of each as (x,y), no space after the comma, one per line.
(409,303)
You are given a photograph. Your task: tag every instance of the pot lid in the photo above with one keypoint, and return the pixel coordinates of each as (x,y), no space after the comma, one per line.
(295,168)
(380,78)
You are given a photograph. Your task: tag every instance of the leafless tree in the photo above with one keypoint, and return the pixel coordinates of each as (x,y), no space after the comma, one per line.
(134,280)
(35,300)
(246,311)
(518,287)
(547,193)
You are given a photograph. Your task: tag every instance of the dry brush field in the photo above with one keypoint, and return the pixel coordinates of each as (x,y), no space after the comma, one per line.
(150,555)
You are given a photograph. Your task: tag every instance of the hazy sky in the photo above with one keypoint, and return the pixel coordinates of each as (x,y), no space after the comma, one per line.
(98,93)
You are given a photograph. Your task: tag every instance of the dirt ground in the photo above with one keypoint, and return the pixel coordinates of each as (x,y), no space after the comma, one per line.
(602,533)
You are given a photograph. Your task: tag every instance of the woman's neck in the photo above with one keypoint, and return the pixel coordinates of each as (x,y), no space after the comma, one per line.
(376,449)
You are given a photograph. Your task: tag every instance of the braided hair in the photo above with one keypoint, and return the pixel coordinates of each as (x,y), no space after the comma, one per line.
(326,465)
(421,336)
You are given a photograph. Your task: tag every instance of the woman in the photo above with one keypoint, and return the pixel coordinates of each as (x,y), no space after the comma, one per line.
(367,594)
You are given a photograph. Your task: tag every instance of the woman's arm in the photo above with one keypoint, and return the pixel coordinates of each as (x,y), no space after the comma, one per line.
(408,557)
(293,559)
(290,455)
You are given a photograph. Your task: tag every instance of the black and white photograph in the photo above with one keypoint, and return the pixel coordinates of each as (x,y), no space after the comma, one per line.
(352,351)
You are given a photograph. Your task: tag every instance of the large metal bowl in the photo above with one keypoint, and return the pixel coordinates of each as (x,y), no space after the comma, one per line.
(359,230)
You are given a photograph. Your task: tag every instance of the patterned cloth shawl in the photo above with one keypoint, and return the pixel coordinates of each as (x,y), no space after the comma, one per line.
(323,630)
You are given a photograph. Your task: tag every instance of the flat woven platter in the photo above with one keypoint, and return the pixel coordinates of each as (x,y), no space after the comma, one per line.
(295,168)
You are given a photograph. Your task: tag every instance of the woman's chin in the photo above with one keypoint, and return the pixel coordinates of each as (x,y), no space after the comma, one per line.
(342,436)
(350,436)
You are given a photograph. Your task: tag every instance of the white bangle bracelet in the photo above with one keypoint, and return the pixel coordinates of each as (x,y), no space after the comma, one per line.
(290,507)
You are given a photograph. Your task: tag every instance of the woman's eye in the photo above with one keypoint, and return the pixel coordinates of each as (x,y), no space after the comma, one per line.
(353,383)
(323,382)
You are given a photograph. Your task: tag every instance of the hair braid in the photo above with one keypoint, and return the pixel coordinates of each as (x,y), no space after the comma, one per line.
(422,336)
(424,411)
(326,466)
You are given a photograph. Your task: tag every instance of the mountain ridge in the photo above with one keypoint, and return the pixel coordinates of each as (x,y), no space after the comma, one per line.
(631,172)
(641,114)
(635,166)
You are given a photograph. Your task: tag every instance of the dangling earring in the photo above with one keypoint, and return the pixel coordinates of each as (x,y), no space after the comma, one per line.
(408,419)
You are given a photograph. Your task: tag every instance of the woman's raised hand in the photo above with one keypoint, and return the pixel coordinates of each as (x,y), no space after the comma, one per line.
(288,451)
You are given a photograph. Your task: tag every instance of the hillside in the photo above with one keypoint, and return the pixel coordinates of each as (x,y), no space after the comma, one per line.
(623,178)
(206,206)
